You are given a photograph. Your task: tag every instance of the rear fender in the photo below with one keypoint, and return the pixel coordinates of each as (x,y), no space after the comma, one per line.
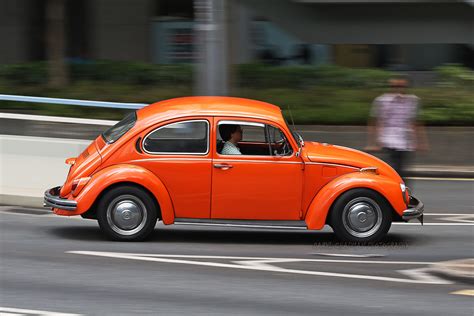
(128,174)
(321,204)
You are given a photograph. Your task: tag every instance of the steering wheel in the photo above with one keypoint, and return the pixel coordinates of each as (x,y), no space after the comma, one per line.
(284,150)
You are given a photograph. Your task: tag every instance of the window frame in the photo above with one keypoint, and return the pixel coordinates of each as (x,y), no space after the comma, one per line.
(264,125)
(285,137)
(179,153)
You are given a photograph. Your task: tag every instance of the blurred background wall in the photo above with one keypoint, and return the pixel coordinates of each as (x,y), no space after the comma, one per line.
(416,35)
(327,58)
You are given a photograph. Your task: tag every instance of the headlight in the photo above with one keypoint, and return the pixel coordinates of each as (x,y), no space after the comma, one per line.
(403,187)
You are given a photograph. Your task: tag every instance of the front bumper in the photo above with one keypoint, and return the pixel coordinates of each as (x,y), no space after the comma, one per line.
(415,210)
(52,199)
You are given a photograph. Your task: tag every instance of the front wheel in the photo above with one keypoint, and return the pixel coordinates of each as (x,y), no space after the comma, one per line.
(361,215)
(127,213)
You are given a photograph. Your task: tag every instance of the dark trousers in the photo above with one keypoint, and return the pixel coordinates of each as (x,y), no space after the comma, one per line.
(397,159)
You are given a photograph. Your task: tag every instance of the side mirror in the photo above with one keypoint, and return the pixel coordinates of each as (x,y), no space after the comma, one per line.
(298,153)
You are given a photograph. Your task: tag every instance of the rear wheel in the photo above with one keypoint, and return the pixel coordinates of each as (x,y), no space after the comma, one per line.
(127,213)
(361,215)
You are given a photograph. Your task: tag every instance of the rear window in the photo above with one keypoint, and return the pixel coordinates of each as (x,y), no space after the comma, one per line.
(188,137)
(118,130)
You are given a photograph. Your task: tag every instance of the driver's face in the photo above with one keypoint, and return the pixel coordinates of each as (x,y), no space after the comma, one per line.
(237,135)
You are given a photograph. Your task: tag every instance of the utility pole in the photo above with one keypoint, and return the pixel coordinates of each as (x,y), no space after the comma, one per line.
(55,40)
(211,46)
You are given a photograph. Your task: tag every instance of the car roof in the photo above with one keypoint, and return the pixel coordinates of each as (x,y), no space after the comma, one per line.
(210,106)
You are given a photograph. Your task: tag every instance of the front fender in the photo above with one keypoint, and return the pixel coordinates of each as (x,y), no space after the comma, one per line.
(321,204)
(125,173)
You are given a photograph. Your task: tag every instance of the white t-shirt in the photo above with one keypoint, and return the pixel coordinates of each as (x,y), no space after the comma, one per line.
(230,149)
(396,116)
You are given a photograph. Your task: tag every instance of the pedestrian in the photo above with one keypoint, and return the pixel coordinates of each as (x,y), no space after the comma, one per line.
(394,127)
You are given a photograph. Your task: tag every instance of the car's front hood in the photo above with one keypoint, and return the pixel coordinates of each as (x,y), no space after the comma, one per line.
(327,153)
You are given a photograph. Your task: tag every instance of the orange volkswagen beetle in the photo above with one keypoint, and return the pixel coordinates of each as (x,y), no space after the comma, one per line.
(227,161)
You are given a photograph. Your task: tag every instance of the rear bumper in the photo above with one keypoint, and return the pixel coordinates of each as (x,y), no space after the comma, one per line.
(52,199)
(415,210)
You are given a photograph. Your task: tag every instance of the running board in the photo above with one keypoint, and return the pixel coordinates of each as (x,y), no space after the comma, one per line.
(242,223)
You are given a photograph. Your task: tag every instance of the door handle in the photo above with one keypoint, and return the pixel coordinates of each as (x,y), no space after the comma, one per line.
(222,166)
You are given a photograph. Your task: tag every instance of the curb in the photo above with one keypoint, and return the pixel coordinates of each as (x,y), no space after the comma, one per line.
(21,200)
(464,173)
(455,270)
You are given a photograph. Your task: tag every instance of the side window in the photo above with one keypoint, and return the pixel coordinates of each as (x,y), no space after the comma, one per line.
(278,142)
(252,139)
(189,137)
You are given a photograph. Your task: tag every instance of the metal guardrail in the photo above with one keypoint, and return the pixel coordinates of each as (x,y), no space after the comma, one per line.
(100,104)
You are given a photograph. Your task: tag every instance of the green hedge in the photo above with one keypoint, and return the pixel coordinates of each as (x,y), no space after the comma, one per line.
(104,71)
(316,95)
(300,77)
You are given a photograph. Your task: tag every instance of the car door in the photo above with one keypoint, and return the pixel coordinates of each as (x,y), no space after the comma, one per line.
(178,152)
(260,183)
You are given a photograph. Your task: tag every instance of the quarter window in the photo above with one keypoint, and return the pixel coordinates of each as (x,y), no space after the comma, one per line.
(189,137)
(118,130)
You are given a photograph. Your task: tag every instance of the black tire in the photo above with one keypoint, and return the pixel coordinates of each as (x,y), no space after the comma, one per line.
(127,213)
(354,212)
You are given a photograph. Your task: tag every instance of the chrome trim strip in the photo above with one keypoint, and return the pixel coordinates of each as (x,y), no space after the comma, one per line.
(179,153)
(173,159)
(236,122)
(249,160)
(301,225)
(331,164)
(369,169)
(52,199)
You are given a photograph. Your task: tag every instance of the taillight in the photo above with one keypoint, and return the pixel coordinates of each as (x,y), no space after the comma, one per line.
(78,184)
(74,184)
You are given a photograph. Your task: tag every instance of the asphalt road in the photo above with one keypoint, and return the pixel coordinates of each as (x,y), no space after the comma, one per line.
(59,264)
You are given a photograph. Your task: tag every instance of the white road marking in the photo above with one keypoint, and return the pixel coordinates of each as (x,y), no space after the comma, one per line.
(422,274)
(21,311)
(92,253)
(465,218)
(348,255)
(263,264)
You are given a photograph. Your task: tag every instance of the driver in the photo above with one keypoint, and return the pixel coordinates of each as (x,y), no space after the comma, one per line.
(231,135)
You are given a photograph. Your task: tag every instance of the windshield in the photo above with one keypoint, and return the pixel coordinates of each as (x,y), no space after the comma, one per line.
(118,130)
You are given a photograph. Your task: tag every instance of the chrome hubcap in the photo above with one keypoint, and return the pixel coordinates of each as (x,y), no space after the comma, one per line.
(362,217)
(126,215)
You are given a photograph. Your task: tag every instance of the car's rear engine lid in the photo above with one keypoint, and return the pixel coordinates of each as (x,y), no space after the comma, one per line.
(82,166)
